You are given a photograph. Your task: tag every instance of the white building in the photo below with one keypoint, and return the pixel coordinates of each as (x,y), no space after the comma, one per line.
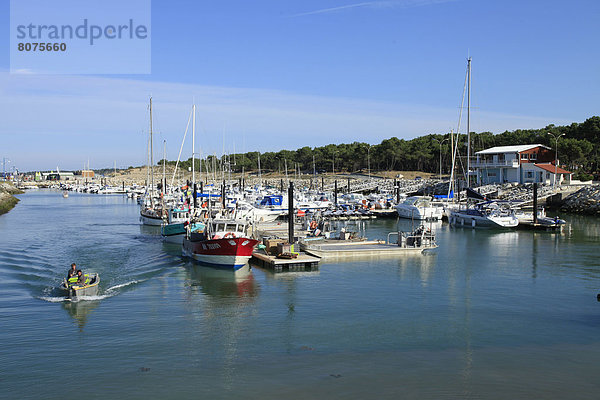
(520,163)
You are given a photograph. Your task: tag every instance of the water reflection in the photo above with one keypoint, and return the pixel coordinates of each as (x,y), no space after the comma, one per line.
(222,301)
(422,264)
(222,283)
(150,230)
(80,310)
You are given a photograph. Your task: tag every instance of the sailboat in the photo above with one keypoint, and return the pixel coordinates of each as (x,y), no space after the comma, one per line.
(177,221)
(149,213)
(479,212)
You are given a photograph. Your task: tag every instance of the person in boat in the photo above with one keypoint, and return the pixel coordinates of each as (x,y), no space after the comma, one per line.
(72,271)
(80,278)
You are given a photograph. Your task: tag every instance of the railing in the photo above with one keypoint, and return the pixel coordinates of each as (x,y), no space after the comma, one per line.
(491,164)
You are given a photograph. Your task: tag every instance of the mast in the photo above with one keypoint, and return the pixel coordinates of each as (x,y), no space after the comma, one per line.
(259,175)
(164,184)
(469,122)
(194,144)
(451,185)
(151,160)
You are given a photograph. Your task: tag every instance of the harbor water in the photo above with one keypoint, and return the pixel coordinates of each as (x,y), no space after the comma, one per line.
(489,314)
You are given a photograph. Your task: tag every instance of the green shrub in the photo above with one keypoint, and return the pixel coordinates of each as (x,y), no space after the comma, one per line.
(582,176)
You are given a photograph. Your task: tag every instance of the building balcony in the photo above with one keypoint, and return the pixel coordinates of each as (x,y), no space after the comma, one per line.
(495,164)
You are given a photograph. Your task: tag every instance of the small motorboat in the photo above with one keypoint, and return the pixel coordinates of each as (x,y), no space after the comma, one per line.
(89,289)
(65,194)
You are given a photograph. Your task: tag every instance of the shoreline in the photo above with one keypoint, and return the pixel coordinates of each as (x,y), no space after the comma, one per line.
(7,199)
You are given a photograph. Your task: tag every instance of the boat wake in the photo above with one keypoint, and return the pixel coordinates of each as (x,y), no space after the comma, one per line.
(122,285)
(62,299)
(54,299)
(51,296)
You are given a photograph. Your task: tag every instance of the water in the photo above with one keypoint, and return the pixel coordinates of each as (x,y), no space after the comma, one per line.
(487,315)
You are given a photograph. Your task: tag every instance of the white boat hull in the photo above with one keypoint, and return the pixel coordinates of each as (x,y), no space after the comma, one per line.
(461,219)
(151,221)
(420,213)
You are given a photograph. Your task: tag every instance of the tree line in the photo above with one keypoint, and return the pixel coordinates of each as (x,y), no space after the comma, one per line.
(578,150)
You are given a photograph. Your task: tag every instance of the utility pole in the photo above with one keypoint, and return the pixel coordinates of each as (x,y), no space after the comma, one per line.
(556,137)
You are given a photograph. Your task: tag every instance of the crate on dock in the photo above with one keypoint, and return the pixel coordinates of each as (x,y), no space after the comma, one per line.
(271,246)
(283,248)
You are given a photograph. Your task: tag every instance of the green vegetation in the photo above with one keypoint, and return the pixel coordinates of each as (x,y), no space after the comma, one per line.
(7,203)
(578,149)
(7,200)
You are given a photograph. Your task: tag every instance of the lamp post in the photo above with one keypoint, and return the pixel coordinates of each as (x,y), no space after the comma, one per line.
(441,156)
(369,160)
(333,163)
(555,155)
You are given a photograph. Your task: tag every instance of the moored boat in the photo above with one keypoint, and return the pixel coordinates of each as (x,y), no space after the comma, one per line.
(484,215)
(223,244)
(419,207)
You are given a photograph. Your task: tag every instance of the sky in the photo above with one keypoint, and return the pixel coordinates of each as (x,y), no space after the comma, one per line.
(272,75)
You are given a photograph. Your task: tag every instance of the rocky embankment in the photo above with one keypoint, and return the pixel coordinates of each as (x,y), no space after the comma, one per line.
(584,201)
(7,200)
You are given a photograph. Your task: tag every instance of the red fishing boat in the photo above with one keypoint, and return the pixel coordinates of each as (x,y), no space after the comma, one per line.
(224,244)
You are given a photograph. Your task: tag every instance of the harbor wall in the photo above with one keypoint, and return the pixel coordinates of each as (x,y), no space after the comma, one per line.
(584,201)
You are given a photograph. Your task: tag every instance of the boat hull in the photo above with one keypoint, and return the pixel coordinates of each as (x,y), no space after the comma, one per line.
(151,220)
(174,233)
(419,213)
(227,253)
(90,289)
(475,221)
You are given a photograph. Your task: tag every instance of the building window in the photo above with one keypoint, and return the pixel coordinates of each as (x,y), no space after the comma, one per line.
(533,156)
(491,174)
(529,174)
(524,156)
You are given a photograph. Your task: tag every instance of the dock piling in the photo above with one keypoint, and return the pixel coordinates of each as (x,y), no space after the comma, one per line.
(535,202)
(335,193)
(291,213)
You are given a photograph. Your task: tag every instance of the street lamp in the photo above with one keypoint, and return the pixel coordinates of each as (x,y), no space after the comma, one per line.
(555,155)
(369,160)
(441,156)
(333,163)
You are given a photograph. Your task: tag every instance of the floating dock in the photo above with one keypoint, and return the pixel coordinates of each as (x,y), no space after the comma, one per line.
(331,250)
(303,262)
(385,213)
(531,226)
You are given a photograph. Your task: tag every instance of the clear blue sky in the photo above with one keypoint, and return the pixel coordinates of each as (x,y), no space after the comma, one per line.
(267,75)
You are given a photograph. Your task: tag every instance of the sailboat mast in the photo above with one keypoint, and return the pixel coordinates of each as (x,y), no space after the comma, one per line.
(164,184)
(194,145)
(469,122)
(259,176)
(151,160)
